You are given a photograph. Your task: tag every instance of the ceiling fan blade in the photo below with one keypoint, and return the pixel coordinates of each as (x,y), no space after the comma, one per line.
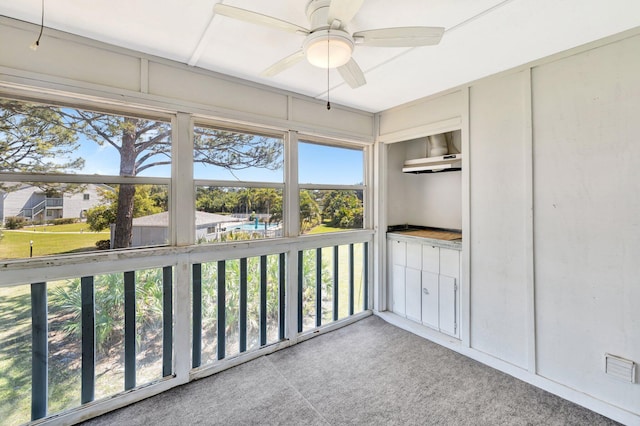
(257,18)
(399,37)
(352,74)
(343,11)
(283,64)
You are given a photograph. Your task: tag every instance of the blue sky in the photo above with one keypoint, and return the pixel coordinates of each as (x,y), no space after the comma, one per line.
(328,164)
(317,164)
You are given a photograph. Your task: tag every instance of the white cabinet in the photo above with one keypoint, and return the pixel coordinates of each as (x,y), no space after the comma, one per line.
(412,281)
(450,262)
(431,259)
(414,255)
(398,293)
(430,299)
(425,284)
(448,285)
(398,252)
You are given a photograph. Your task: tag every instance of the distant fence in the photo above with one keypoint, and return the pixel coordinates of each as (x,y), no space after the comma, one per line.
(262,217)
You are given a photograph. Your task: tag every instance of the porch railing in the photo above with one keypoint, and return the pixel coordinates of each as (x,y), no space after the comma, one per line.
(31,212)
(40,337)
(238,305)
(229,318)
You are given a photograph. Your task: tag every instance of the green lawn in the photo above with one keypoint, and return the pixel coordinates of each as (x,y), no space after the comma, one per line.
(343,284)
(72,227)
(15,358)
(16,244)
(323,229)
(15,354)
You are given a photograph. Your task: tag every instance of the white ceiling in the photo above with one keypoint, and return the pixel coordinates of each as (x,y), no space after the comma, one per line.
(482,37)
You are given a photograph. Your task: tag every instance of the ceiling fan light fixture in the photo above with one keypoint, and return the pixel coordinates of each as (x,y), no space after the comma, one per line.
(339,49)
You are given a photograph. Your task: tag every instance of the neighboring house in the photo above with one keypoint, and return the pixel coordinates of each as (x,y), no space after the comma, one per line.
(153,230)
(32,203)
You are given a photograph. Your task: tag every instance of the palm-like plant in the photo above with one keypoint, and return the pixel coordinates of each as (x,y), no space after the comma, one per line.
(109,306)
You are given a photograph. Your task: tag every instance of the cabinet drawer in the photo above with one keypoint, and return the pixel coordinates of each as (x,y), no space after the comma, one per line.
(398,252)
(431,259)
(450,263)
(414,255)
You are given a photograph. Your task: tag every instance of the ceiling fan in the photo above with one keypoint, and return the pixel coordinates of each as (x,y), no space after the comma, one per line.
(328,44)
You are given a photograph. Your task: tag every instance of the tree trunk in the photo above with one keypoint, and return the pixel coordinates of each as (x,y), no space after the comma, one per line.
(124,216)
(127,192)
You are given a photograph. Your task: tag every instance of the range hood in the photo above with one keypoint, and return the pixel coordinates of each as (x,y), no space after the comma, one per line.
(443,163)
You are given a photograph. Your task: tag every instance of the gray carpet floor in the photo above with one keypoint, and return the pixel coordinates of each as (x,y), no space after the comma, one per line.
(368,373)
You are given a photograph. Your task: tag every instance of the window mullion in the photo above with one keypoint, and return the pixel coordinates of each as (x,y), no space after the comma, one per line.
(291,206)
(182,224)
(182,189)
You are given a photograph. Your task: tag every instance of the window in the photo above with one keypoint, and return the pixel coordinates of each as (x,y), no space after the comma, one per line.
(239,185)
(81,152)
(331,188)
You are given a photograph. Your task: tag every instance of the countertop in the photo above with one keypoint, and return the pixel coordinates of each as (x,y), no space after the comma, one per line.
(434,236)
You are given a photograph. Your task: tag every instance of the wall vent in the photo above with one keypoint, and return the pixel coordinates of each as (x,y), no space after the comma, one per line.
(620,368)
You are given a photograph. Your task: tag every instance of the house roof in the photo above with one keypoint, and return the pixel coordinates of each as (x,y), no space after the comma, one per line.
(202,219)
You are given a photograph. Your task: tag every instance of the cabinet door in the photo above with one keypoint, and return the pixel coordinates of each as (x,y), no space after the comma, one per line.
(414,255)
(413,304)
(398,252)
(448,305)
(430,299)
(398,293)
(431,259)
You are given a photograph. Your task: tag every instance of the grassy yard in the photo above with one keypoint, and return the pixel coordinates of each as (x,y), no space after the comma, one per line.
(15,354)
(56,239)
(15,357)
(71,227)
(343,285)
(323,229)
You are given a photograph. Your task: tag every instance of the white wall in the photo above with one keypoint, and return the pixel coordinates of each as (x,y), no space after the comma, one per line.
(498,215)
(553,221)
(73,65)
(75,204)
(432,199)
(429,199)
(25,197)
(586,111)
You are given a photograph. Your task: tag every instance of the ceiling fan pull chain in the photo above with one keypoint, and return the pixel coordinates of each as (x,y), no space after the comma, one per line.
(328,46)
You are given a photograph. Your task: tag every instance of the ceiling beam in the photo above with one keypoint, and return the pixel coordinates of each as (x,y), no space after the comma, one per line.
(203,42)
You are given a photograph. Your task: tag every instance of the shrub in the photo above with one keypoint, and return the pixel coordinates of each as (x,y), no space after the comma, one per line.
(103,244)
(65,221)
(14,222)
